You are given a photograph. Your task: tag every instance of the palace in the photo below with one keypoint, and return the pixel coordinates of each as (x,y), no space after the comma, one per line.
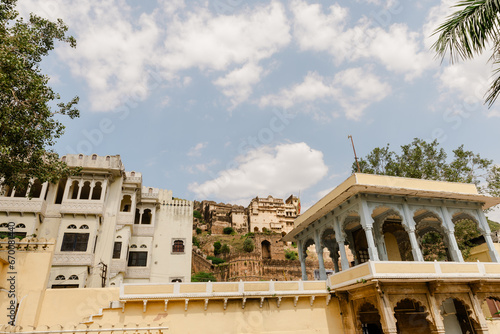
(107,227)
(389,286)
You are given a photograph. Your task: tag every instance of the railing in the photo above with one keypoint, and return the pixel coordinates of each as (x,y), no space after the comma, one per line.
(143,230)
(22,204)
(125,218)
(222,289)
(71,259)
(82,206)
(414,270)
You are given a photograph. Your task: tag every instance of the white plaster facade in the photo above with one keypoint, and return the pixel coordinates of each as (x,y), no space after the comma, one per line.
(108,228)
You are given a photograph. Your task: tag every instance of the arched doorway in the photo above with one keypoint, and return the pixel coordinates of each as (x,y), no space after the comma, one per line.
(266,250)
(456,317)
(397,242)
(369,319)
(411,318)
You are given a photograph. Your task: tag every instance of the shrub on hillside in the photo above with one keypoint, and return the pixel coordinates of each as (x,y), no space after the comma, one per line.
(248,245)
(228,230)
(203,277)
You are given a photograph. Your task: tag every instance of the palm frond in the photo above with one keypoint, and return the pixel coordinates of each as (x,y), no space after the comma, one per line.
(468,31)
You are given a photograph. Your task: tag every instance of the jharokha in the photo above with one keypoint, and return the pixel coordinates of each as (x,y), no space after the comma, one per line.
(101,253)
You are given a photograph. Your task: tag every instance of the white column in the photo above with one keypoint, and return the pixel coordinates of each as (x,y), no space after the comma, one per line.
(367,223)
(44,189)
(410,229)
(302,259)
(92,186)
(455,252)
(415,249)
(340,237)
(319,252)
(69,181)
(487,236)
(104,187)
(80,186)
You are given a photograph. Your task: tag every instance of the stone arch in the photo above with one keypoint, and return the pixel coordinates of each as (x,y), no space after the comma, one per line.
(126,203)
(368,319)
(97,191)
(266,250)
(73,190)
(309,242)
(85,192)
(432,235)
(458,316)
(137,217)
(256,229)
(146,217)
(468,232)
(412,317)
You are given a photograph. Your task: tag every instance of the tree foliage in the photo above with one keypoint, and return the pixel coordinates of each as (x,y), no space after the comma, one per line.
(225,249)
(217,248)
(248,245)
(28,124)
(468,32)
(203,277)
(427,160)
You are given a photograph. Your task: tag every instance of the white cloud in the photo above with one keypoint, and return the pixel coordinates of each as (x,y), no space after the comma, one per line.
(311,89)
(392,45)
(354,89)
(237,85)
(196,150)
(278,170)
(118,55)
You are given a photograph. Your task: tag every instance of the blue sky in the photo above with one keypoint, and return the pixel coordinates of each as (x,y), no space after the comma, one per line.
(229,99)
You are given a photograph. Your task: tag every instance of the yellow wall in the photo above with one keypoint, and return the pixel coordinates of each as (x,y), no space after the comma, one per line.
(391,244)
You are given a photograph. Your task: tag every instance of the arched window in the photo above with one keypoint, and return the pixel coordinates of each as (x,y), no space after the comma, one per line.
(4,225)
(175,280)
(94,156)
(72,227)
(137,216)
(73,193)
(96,193)
(118,237)
(144,246)
(133,246)
(84,227)
(20,225)
(150,191)
(80,156)
(60,278)
(108,158)
(63,158)
(126,203)
(36,189)
(85,193)
(146,217)
(73,278)
(132,173)
(178,246)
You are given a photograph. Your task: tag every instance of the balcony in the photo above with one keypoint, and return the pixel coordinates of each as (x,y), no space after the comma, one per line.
(72,259)
(23,204)
(143,230)
(86,207)
(410,270)
(125,218)
(138,272)
(118,265)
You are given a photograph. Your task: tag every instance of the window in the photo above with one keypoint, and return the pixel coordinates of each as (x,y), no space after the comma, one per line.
(117,249)
(75,242)
(178,246)
(133,246)
(60,278)
(84,227)
(138,259)
(80,156)
(20,226)
(71,227)
(176,280)
(144,246)
(94,156)
(108,157)
(4,225)
(73,278)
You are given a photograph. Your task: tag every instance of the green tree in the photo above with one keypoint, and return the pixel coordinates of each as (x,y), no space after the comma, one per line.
(424,160)
(196,242)
(291,255)
(225,249)
(196,214)
(203,277)
(217,248)
(228,230)
(248,245)
(28,123)
(468,32)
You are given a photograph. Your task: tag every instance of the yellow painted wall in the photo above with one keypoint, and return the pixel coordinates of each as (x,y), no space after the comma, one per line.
(391,244)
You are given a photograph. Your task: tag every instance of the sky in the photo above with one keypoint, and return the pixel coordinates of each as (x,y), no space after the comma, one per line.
(226,100)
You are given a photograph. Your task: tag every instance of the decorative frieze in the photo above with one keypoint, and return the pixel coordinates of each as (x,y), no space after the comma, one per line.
(63,259)
(82,207)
